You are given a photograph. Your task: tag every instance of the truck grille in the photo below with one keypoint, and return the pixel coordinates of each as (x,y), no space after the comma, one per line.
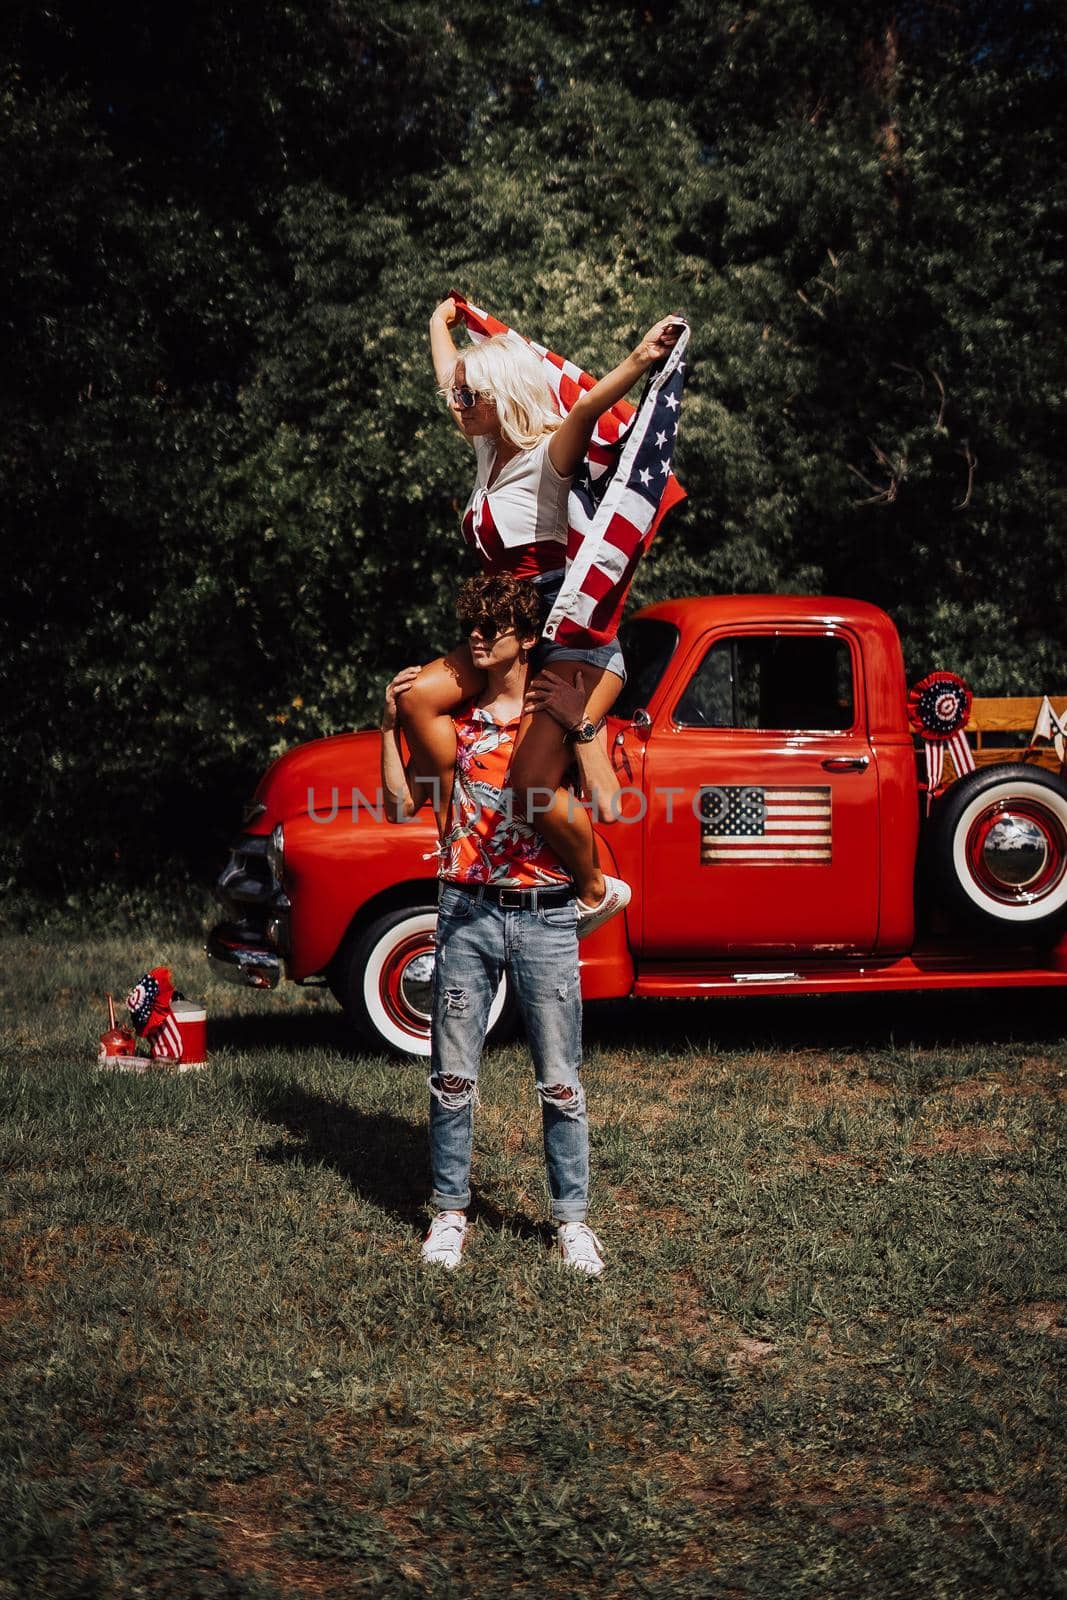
(252,898)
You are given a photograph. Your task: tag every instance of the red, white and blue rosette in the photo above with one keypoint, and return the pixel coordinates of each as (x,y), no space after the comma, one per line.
(938,709)
(149,1005)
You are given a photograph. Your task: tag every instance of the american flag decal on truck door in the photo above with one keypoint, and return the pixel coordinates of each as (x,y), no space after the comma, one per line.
(753,827)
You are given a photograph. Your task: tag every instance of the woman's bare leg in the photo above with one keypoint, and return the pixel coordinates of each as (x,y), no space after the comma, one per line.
(542,756)
(426,711)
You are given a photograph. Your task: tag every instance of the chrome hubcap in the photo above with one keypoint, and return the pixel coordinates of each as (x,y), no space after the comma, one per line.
(1015,851)
(416,985)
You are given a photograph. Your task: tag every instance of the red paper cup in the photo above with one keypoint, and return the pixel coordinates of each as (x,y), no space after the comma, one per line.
(192,1025)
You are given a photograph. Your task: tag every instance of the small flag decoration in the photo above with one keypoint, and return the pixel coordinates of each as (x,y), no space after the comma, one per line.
(149,1005)
(746,825)
(1051,728)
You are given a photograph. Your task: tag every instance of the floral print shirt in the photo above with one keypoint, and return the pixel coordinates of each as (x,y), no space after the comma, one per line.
(484,842)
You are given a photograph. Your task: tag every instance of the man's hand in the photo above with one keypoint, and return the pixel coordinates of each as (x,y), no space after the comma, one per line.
(403,680)
(564,702)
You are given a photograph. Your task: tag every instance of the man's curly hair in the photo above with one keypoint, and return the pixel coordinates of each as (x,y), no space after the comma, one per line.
(507,601)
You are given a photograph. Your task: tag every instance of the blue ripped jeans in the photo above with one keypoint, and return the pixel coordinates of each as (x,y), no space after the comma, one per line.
(476,942)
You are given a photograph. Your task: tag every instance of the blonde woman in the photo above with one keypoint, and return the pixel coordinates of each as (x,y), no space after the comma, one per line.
(516,522)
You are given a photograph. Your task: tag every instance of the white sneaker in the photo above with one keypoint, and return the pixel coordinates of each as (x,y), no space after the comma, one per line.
(443,1245)
(616,898)
(580,1248)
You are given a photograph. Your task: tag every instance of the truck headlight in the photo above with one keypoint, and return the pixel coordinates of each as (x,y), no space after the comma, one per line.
(276,854)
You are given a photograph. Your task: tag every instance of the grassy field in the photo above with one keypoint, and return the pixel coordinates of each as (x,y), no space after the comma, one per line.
(823,1362)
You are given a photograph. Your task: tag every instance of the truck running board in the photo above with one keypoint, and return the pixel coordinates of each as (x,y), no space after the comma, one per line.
(934,969)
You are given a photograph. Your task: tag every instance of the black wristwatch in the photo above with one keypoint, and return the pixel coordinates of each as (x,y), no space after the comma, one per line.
(584,733)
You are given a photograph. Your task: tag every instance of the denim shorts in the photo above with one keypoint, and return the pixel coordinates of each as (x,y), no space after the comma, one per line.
(608,656)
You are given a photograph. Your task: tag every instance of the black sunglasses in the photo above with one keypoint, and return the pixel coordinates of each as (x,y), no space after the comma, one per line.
(489,630)
(463,397)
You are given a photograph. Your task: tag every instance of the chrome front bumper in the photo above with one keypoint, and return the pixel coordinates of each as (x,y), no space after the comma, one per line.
(239,961)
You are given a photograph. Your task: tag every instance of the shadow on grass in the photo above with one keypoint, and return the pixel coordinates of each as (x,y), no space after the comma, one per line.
(293,1031)
(843,1022)
(382,1157)
(754,1022)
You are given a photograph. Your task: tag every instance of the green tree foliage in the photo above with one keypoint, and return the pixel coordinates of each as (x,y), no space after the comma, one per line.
(231,488)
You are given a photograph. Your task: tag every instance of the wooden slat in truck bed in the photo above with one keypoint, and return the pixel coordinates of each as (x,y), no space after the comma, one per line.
(1000,731)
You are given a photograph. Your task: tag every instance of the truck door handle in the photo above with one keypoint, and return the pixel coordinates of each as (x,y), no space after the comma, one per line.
(847,763)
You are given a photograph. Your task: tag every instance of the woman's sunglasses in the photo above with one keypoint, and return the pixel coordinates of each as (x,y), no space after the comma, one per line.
(463,397)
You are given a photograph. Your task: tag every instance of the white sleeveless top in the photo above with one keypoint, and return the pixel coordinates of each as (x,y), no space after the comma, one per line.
(519,526)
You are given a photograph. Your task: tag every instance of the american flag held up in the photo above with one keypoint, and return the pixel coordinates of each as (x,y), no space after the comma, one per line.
(621,494)
(745,825)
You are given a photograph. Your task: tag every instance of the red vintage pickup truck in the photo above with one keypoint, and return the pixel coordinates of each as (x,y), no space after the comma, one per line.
(771,824)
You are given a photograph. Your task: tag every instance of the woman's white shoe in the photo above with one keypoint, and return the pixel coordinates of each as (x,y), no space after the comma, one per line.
(616,897)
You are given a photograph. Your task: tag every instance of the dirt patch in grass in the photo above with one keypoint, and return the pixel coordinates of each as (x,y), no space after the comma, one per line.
(816,1088)
(1033,1075)
(969,1141)
(29,1262)
(249,1520)
(1036,1072)
(725,1478)
(690,1314)
(750,1353)
(1044,1316)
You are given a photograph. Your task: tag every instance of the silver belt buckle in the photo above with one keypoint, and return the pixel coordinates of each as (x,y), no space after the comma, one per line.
(510,900)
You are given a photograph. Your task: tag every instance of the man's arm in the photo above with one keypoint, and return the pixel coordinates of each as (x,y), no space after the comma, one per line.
(403,797)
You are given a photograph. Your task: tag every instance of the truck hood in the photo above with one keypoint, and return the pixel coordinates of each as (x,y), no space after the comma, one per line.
(343,762)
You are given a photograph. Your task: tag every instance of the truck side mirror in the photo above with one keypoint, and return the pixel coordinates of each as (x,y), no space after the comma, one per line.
(641,723)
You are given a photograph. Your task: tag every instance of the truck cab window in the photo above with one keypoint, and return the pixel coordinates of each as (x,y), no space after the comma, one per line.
(647,645)
(780,681)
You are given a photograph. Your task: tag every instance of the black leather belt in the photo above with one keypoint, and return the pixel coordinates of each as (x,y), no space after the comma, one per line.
(514,899)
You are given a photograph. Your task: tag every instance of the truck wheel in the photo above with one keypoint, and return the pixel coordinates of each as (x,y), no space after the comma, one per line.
(999,851)
(384,981)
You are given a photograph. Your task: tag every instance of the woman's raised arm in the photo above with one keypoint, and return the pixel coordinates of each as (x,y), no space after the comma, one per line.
(445,316)
(569,443)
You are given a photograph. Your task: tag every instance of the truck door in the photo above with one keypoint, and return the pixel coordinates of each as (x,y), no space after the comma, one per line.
(761,789)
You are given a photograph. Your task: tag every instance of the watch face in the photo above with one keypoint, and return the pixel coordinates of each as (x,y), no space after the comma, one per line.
(585,732)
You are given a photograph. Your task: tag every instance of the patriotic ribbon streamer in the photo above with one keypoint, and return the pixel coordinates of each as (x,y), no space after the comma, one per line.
(938,709)
(621,493)
(149,1005)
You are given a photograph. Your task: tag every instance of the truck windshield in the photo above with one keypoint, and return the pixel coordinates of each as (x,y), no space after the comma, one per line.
(647,645)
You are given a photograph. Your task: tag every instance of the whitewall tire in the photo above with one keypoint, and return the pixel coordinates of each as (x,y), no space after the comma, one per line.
(999,852)
(385,983)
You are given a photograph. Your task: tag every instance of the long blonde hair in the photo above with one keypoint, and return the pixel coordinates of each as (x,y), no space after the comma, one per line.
(510,373)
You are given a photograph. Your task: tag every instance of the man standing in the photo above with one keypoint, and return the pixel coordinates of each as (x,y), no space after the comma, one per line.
(506,905)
